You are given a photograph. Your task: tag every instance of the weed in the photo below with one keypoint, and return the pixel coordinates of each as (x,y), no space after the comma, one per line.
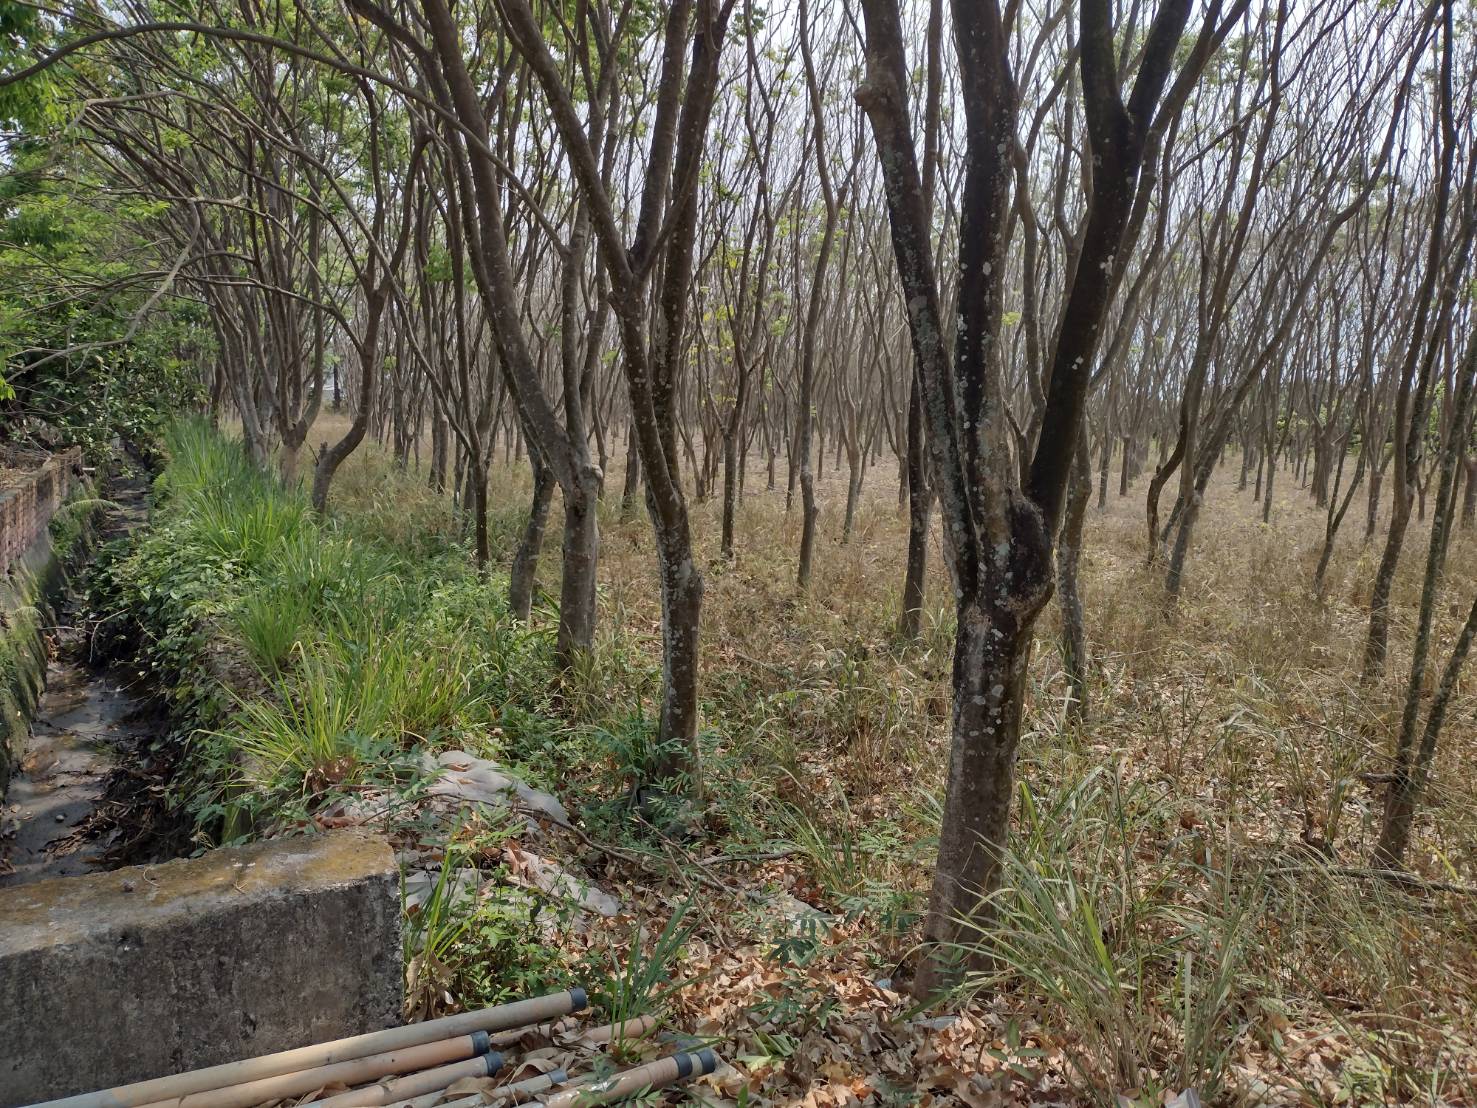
(269,624)
(637,982)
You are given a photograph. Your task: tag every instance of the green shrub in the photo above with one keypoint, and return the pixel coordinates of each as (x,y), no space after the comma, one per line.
(368,644)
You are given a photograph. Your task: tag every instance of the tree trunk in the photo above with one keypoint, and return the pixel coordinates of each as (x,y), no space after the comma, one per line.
(1069,597)
(1412,765)
(855,472)
(730,491)
(1267,490)
(1175,575)
(920,511)
(577,611)
(810,512)
(1469,492)
(1105,463)
(331,457)
(1410,777)
(1376,644)
(440,434)
(633,477)
(477,476)
(682,604)
(525,559)
(988,690)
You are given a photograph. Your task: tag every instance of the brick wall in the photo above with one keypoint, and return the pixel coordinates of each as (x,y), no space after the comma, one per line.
(26,508)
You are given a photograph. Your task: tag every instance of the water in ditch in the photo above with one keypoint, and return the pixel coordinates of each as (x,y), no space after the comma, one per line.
(87,726)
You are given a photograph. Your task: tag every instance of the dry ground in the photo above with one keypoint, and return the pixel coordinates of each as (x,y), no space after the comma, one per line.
(1204,810)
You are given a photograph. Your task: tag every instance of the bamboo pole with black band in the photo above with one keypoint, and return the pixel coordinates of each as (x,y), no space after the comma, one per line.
(355,1071)
(413,1085)
(653,1075)
(501,1018)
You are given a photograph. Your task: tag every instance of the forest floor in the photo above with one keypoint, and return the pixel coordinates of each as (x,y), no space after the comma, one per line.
(1184,902)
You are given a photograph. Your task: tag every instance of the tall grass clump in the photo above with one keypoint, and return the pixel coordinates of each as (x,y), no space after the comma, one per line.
(310,655)
(1141,968)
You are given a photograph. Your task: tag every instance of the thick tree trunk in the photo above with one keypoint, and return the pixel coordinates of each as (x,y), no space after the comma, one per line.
(682,604)
(988,691)
(288,455)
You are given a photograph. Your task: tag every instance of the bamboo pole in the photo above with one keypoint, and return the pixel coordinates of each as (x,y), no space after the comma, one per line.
(501,1018)
(633,1028)
(516,1092)
(653,1075)
(618,1032)
(356,1071)
(413,1085)
(524,1089)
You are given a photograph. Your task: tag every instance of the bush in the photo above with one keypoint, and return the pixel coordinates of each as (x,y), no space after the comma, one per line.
(307,654)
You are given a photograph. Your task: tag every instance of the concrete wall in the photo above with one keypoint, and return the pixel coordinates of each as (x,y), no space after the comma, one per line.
(26,507)
(151,970)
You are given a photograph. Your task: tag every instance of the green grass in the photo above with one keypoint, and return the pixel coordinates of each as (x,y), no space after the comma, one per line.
(309,653)
(307,657)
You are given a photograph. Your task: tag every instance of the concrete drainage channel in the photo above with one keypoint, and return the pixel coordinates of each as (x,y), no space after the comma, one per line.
(137,972)
(67,721)
(205,983)
(148,970)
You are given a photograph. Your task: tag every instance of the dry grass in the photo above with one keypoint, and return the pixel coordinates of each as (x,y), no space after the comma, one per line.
(1236,717)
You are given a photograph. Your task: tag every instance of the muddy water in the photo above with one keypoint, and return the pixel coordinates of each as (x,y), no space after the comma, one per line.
(85,723)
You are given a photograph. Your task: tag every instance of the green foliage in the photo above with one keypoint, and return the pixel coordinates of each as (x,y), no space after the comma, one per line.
(90,353)
(1111,943)
(312,656)
(269,624)
(638,981)
(474,941)
(801,1004)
